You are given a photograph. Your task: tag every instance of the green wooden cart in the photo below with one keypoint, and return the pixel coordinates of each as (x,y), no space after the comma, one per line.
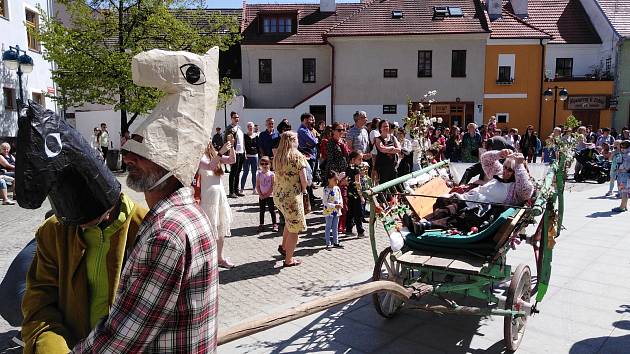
(472,269)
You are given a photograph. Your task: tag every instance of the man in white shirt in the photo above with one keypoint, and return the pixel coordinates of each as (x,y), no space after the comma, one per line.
(239,148)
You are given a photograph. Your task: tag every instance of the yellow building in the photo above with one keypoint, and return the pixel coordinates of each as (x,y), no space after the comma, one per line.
(539,46)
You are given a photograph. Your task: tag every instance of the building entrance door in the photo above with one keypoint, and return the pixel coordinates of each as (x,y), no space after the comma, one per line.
(319,112)
(588,117)
(458,112)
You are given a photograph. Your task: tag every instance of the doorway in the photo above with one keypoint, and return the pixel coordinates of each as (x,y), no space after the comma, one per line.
(588,117)
(319,112)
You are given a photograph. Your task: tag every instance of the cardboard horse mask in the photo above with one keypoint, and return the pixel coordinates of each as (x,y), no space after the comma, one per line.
(178,129)
(54,160)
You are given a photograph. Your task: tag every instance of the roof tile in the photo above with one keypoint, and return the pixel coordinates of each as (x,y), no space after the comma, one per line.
(618,13)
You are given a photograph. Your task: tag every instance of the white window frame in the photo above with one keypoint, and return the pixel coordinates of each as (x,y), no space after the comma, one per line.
(34,10)
(507,117)
(6,9)
(507,60)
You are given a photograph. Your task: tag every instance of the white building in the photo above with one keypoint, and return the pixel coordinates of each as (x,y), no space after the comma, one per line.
(15,16)
(332,59)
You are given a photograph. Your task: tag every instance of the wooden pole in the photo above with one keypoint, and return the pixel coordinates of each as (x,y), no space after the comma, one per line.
(260,324)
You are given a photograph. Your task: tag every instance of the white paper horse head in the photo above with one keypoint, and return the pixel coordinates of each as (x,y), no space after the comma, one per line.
(178,129)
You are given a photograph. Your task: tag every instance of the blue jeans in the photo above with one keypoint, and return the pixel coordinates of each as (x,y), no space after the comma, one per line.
(13,285)
(251,163)
(332,224)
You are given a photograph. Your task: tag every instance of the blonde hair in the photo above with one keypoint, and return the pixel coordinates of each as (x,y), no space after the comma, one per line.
(510,163)
(287,151)
(211,153)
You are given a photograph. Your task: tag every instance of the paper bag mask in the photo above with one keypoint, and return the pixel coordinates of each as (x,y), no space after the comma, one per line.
(178,129)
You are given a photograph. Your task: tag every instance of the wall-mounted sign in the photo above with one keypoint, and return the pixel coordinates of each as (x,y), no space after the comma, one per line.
(440,109)
(51,90)
(586,102)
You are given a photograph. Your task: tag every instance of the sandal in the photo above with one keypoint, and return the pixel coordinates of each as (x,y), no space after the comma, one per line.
(226,264)
(296,262)
(8,202)
(282,251)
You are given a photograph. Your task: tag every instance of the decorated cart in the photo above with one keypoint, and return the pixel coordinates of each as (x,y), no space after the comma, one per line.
(442,263)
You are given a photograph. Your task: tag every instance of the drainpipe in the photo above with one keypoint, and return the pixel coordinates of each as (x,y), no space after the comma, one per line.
(616,88)
(542,79)
(332,82)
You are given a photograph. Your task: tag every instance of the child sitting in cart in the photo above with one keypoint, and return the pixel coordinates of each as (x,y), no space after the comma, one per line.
(510,185)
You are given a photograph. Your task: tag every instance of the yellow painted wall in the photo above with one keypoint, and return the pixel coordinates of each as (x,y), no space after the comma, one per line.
(527,76)
(575,88)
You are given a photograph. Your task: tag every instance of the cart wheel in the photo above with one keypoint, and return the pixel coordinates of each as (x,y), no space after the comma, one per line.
(386,303)
(520,289)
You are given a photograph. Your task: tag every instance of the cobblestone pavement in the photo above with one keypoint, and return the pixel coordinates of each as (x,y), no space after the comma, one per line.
(259,284)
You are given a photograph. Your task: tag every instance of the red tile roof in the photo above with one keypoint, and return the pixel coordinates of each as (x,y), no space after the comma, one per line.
(376,19)
(565,20)
(312,24)
(509,26)
(370,18)
(618,13)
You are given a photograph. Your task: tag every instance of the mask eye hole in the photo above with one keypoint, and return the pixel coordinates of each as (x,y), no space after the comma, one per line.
(193,74)
(52,144)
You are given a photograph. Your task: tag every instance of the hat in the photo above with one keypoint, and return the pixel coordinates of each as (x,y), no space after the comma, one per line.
(179,127)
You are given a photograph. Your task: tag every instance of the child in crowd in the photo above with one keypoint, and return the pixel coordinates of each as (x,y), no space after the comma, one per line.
(623,176)
(549,151)
(333,203)
(615,161)
(355,199)
(264,188)
(343,186)
(492,127)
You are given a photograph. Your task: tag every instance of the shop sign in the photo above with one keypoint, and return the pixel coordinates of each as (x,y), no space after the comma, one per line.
(586,102)
(440,109)
(51,90)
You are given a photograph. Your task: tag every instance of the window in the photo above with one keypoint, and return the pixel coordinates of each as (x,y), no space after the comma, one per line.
(425,63)
(389,109)
(9,99)
(390,72)
(564,67)
(277,24)
(32,24)
(4,9)
(308,70)
(264,71)
(502,117)
(505,74)
(39,98)
(458,64)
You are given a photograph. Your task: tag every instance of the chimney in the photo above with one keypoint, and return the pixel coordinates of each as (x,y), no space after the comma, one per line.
(520,8)
(494,8)
(327,6)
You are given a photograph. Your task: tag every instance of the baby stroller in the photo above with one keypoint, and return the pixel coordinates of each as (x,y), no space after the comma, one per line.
(594,166)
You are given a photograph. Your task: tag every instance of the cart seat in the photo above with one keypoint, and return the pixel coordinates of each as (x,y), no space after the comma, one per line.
(444,238)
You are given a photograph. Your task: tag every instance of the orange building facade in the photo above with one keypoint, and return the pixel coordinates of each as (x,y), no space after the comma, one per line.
(515,98)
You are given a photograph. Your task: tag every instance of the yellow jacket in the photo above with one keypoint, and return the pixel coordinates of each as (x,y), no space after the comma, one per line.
(56,303)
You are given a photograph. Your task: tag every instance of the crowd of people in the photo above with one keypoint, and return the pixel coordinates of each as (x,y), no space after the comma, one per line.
(286,165)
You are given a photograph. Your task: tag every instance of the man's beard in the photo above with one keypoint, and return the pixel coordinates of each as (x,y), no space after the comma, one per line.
(144,182)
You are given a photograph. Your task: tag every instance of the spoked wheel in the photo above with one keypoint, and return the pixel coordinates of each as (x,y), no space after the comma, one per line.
(520,289)
(386,303)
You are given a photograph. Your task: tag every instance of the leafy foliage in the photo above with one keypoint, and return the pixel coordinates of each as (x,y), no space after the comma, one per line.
(92,51)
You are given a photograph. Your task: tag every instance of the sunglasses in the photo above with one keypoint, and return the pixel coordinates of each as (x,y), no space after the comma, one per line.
(508,169)
(264,164)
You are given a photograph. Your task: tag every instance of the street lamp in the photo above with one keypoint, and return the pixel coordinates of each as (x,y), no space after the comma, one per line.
(22,63)
(563,94)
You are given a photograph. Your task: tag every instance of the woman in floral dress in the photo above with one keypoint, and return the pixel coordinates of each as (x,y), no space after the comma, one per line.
(288,191)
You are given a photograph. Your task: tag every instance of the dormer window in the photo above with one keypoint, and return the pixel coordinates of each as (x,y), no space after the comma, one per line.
(277,23)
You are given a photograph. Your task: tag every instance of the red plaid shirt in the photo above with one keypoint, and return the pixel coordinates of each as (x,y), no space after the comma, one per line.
(167,298)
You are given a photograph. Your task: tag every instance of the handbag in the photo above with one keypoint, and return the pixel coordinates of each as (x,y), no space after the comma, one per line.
(307,203)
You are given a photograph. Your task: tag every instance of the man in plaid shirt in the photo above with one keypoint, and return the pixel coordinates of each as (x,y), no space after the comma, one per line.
(167,296)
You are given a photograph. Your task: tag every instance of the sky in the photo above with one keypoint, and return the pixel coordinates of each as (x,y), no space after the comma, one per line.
(239,3)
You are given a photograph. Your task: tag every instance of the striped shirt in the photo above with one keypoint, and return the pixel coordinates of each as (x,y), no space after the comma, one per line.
(167,298)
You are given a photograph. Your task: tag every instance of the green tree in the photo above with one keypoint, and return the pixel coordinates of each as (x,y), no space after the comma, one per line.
(92,53)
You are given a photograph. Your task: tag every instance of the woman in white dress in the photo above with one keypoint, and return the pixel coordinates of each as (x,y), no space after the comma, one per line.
(213,198)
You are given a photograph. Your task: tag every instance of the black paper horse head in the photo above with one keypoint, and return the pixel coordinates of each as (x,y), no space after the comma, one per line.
(54,160)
